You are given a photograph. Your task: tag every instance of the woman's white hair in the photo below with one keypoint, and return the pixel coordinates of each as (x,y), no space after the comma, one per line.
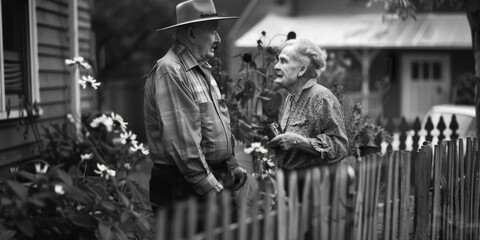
(309,53)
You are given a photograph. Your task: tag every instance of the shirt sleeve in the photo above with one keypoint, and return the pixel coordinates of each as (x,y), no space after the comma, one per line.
(180,117)
(332,138)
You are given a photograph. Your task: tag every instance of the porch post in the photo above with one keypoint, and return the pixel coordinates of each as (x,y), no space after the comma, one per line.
(75,74)
(365,57)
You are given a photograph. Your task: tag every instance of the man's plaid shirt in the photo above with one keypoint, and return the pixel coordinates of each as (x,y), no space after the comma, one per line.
(187,123)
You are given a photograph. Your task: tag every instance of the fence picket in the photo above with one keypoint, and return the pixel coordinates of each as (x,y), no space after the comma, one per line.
(281,218)
(468,188)
(255,228)
(304,224)
(178,220)
(358,223)
(378,166)
(161,224)
(476,196)
(192,220)
(211,216)
(395,197)
(436,211)
(388,198)
(422,164)
(242,219)
(316,204)
(268,230)
(325,204)
(461,179)
(441,128)
(292,206)
(404,167)
(226,215)
(444,191)
(368,197)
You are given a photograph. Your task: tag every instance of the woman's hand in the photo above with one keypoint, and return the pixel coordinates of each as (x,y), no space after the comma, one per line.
(286,141)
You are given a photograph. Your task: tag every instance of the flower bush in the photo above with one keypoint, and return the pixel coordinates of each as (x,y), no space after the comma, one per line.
(363,132)
(81,188)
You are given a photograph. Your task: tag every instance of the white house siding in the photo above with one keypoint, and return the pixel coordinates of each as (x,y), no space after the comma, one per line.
(53,49)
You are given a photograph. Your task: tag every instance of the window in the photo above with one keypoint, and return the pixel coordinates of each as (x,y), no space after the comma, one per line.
(18,57)
(427,70)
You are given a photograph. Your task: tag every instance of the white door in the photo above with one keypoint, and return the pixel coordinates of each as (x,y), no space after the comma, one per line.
(425,82)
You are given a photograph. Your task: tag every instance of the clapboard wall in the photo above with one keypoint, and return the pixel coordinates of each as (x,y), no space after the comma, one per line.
(54,76)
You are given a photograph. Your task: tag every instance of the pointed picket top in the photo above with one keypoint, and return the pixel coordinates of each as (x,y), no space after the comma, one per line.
(403,133)
(429,128)
(454,127)
(441,126)
(417,126)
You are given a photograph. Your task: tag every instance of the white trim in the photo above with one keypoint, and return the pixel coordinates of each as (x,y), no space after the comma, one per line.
(34,65)
(2,69)
(33,77)
(15,114)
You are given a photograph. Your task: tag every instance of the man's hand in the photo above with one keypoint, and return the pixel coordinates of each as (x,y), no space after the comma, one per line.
(239,178)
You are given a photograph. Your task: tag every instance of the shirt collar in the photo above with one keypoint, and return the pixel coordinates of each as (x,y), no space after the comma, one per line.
(186,57)
(310,83)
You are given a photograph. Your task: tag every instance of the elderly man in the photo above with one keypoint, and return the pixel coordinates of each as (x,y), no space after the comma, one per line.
(313,124)
(187,123)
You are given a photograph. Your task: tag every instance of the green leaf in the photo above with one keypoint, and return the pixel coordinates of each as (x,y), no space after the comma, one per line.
(119,234)
(26,227)
(18,189)
(65,177)
(27,175)
(108,205)
(105,231)
(7,235)
(37,202)
(124,217)
(82,220)
(124,199)
(143,224)
(5,201)
(77,194)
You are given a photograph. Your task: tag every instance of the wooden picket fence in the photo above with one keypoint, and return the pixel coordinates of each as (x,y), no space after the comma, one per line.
(429,194)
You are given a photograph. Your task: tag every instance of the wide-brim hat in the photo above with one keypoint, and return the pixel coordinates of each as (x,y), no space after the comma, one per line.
(193,11)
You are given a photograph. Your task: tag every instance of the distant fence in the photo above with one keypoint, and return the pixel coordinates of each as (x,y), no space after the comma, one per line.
(428,194)
(411,136)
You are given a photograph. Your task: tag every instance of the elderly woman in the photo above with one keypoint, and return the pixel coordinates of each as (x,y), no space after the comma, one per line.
(313,124)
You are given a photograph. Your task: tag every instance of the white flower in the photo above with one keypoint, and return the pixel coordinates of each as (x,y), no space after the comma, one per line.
(257,147)
(78,60)
(269,162)
(139,148)
(104,171)
(40,169)
(14,169)
(89,81)
(128,166)
(59,189)
(118,122)
(128,137)
(70,118)
(106,121)
(86,156)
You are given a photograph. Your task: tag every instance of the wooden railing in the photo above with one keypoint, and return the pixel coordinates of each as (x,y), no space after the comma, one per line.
(375,197)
